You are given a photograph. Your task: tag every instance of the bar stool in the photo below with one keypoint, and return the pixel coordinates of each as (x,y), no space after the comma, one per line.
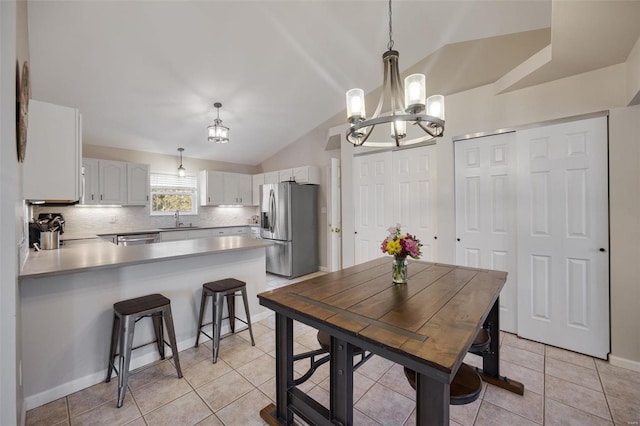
(126,314)
(464,389)
(229,288)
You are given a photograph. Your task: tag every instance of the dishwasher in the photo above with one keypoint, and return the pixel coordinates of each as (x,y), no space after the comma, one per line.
(136,239)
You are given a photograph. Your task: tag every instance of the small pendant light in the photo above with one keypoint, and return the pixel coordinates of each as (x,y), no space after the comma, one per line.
(182,172)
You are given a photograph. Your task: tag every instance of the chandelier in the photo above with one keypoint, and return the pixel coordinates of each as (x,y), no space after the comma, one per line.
(408,105)
(182,172)
(217,132)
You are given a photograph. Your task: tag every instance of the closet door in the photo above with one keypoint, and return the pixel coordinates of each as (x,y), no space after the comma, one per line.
(485,191)
(563,252)
(372,178)
(414,176)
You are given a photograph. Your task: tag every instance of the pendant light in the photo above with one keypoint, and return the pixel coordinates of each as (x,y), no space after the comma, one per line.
(182,172)
(407,106)
(217,132)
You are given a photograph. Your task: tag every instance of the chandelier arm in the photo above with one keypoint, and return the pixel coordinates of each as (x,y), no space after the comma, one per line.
(398,90)
(426,129)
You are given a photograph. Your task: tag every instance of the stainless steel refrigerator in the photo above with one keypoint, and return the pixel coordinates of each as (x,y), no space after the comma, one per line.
(289,218)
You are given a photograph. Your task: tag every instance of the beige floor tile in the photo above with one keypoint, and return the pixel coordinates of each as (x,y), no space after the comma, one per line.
(572,357)
(395,380)
(577,396)
(473,360)
(309,340)
(625,412)
(300,329)
(269,388)
(192,356)
(108,414)
(573,373)
(531,379)
(187,410)
(259,370)
(558,414)
(270,321)
(385,406)
(321,395)
(137,422)
(49,414)
(620,387)
(466,414)
(258,330)
(205,371)
(375,367)
(411,421)
(607,368)
(224,390)
(163,369)
(240,354)
(245,411)
(361,384)
(92,397)
(212,420)
(527,345)
(530,405)
(522,357)
(359,418)
(159,393)
(266,343)
(493,415)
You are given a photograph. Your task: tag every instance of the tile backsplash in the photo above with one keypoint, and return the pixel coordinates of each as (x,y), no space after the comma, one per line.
(104,220)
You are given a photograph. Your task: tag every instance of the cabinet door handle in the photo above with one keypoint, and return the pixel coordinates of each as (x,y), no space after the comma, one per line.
(209,199)
(100,197)
(91,197)
(147,198)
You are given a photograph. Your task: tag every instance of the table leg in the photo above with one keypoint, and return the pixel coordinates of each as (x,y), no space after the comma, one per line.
(432,401)
(341,385)
(491,359)
(281,414)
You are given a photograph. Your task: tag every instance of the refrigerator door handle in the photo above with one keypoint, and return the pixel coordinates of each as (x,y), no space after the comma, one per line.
(272,210)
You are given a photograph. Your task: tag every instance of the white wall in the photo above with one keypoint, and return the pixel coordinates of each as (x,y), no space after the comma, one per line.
(10,388)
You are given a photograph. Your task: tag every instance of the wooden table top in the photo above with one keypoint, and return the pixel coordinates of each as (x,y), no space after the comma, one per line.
(433,318)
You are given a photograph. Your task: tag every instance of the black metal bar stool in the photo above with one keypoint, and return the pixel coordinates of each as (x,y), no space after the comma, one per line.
(229,288)
(126,314)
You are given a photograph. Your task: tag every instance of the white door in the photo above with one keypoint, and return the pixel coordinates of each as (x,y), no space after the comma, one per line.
(485,191)
(372,179)
(335,221)
(563,240)
(414,172)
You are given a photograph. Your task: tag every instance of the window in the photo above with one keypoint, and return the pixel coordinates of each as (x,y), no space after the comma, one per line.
(170,193)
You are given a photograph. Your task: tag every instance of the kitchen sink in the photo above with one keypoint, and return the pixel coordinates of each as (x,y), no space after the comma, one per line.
(175,228)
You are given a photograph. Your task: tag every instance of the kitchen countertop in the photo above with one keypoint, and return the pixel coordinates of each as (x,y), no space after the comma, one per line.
(88,254)
(68,236)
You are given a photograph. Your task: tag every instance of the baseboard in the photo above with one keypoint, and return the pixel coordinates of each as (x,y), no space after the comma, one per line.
(73,386)
(323,269)
(624,363)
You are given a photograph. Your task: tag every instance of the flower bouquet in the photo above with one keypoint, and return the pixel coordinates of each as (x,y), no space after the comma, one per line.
(400,246)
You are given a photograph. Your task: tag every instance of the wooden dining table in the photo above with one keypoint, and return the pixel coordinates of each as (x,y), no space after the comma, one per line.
(427,325)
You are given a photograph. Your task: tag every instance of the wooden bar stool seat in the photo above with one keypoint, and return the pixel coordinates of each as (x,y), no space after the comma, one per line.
(481,342)
(228,288)
(464,389)
(125,316)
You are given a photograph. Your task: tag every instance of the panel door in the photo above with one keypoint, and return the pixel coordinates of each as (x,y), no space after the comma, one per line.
(244,189)
(414,177)
(90,178)
(113,187)
(485,212)
(563,259)
(137,184)
(373,203)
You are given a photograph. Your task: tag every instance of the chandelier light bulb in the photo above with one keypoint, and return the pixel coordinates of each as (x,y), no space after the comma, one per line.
(399,128)
(355,105)
(435,106)
(415,93)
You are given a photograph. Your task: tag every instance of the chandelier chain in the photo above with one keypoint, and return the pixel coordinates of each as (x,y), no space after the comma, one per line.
(390,44)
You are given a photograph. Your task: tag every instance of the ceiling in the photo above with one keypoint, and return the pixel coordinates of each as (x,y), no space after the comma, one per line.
(145,74)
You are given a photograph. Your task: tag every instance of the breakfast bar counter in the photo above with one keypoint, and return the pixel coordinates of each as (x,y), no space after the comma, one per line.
(67,297)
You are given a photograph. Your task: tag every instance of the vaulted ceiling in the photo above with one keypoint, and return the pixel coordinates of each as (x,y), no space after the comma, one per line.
(145,74)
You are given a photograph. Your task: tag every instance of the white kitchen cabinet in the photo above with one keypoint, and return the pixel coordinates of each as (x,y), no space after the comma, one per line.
(193,234)
(219,232)
(237,189)
(173,236)
(254,232)
(307,174)
(52,165)
(285,175)
(272,177)
(112,181)
(137,184)
(90,177)
(219,188)
(256,182)
(211,188)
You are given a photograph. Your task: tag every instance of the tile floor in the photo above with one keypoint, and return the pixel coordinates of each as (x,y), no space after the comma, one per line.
(561,388)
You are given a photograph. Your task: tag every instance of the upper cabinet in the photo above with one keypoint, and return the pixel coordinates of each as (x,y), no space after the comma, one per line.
(51,169)
(137,184)
(306,174)
(219,188)
(256,181)
(272,177)
(114,182)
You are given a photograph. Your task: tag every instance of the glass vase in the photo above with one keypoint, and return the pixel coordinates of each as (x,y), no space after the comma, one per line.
(399,270)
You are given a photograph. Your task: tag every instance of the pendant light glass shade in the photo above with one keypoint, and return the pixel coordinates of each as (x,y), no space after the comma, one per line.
(355,105)
(415,93)
(217,132)
(435,106)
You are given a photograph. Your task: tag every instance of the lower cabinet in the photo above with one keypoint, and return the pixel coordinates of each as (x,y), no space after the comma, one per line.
(192,234)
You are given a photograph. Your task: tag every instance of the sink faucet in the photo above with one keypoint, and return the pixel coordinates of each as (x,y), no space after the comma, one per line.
(177,216)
